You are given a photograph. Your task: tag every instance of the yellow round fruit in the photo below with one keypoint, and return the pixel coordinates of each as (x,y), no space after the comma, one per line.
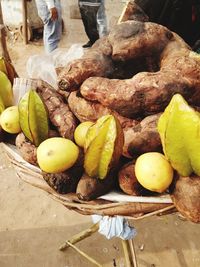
(9,120)
(81,131)
(57,154)
(153,171)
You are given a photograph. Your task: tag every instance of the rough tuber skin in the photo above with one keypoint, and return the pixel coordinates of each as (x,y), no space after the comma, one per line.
(91,188)
(27,150)
(186,197)
(143,137)
(59,113)
(94,63)
(129,183)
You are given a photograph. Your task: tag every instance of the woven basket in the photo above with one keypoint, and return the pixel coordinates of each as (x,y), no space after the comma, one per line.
(130,210)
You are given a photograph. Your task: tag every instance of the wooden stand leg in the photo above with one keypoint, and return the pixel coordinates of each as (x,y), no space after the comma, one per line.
(80,236)
(129,253)
(128,247)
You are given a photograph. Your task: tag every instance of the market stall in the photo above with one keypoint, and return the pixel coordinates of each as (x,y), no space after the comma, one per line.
(119,136)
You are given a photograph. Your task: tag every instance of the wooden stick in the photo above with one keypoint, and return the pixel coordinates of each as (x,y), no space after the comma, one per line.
(25,27)
(5,53)
(80,236)
(132,248)
(151,213)
(127,253)
(84,254)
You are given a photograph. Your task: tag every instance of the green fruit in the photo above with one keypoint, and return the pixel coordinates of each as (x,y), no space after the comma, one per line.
(2,107)
(103,146)
(33,117)
(6,92)
(179,129)
(3,66)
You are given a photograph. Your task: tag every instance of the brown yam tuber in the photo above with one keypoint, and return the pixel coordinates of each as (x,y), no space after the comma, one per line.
(186,197)
(91,188)
(96,62)
(86,110)
(59,113)
(142,137)
(26,149)
(129,183)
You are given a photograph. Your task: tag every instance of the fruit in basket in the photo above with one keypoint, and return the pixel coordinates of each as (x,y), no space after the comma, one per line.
(90,188)
(2,107)
(128,181)
(33,117)
(57,154)
(103,146)
(185,196)
(179,127)
(9,120)
(7,68)
(153,171)
(81,131)
(6,92)
(66,181)
(27,150)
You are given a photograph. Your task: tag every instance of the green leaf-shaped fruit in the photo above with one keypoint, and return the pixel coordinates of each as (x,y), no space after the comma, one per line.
(33,117)
(6,91)
(179,129)
(103,146)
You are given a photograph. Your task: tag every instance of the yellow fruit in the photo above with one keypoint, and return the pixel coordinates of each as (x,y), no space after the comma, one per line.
(153,171)
(103,147)
(81,131)
(57,154)
(9,120)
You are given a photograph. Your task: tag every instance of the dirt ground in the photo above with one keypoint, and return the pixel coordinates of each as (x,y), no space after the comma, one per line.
(33,226)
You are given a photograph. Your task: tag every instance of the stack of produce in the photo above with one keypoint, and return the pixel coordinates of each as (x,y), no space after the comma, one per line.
(120,119)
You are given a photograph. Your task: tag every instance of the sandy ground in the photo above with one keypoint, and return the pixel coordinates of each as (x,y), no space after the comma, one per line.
(33,226)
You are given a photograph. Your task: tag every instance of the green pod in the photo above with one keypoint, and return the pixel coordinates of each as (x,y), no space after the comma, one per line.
(33,117)
(179,129)
(6,91)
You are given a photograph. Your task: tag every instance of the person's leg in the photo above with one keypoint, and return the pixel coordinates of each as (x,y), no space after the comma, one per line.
(102,20)
(89,18)
(52,29)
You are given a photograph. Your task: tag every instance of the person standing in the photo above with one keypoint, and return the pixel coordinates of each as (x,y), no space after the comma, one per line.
(50,13)
(89,10)
(102,20)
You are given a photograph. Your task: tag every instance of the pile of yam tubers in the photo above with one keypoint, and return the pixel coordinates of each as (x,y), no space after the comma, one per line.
(132,74)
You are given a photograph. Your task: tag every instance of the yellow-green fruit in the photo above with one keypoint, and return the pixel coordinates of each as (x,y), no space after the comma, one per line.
(103,147)
(9,120)
(6,91)
(179,129)
(81,131)
(57,154)
(153,171)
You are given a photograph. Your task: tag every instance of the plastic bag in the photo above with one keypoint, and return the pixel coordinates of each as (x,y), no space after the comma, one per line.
(114,227)
(44,66)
